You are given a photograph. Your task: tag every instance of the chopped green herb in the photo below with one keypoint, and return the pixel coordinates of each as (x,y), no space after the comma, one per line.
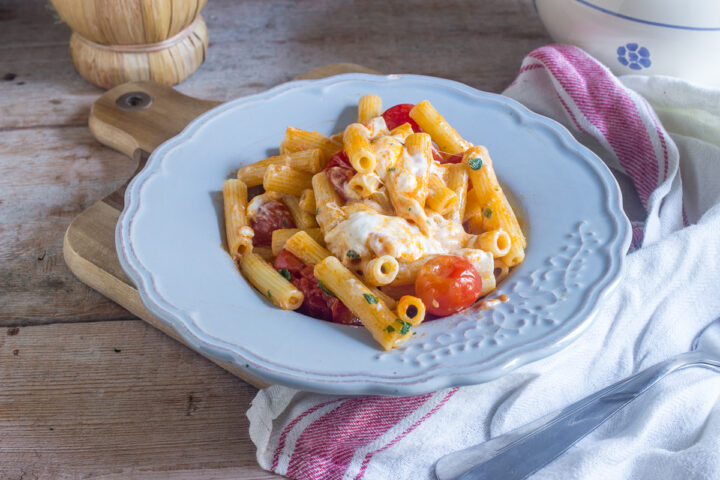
(409,209)
(391,169)
(370,298)
(284,222)
(247,366)
(352,254)
(269,295)
(487,213)
(475,163)
(286,273)
(389,329)
(405,326)
(324,288)
(317,210)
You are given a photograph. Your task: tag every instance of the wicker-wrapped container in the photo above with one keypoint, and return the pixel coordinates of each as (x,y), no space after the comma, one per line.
(117,41)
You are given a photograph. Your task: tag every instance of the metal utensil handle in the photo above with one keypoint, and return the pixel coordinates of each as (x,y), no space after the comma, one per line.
(523,451)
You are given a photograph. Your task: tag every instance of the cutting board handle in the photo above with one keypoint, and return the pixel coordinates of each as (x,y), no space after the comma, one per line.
(142,115)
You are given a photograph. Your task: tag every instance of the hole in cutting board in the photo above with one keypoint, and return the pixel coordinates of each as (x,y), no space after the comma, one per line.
(132,101)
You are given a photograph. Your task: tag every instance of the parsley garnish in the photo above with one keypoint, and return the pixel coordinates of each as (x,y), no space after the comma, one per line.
(370,298)
(487,213)
(352,254)
(475,163)
(389,329)
(286,273)
(391,169)
(324,288)
(284,222)
(269,295)
(317,210)
(405,326)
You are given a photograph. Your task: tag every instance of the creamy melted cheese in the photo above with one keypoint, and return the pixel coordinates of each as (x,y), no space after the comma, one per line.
(416,164)
(376,127)
(372,234)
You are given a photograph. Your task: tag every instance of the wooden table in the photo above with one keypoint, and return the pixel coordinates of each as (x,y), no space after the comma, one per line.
(86,389)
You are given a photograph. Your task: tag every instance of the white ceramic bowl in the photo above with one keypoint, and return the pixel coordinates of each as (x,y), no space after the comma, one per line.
(169,240)
(650,37)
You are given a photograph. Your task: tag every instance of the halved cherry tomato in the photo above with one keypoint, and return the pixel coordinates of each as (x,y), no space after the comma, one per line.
(285,259)
(317,303)
(339,172)
(270,216)
(399,114)
(447,284)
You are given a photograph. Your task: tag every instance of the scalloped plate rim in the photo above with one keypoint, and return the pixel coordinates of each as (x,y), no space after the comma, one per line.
(485,370)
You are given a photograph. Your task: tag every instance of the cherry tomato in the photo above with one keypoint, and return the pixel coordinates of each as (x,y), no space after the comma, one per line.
(399,114)
(315,303)
(339,172)
(270,216)
(340,159)
(447,284)
(342,314)
(288,261)
(457,158)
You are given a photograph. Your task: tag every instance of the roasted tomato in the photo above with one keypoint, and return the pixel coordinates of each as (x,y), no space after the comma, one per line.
(288,261)
(399,114)
(270,216)
(317,303)
(447,284)
(339,172)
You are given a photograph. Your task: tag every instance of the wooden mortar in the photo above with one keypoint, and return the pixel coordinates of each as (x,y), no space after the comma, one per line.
(118,41)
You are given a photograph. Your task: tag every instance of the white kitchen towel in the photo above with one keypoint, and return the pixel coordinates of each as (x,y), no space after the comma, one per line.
(669,292)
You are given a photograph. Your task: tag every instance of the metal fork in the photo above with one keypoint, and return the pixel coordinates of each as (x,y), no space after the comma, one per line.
(522,452)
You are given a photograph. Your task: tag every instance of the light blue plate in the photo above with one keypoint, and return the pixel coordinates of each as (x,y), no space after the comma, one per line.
(170,236)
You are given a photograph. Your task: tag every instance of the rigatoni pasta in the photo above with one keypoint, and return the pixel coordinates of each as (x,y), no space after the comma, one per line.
(392,220)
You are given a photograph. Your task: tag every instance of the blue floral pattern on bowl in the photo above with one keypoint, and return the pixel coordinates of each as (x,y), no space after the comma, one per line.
(634,56)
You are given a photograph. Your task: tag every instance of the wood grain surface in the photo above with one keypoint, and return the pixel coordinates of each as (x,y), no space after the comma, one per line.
(124,414)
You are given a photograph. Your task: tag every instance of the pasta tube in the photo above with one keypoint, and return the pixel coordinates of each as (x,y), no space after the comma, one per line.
(297,140)
(307,201)
(440,198)
(281,235)
(364,184)
(270,283)
(496,211)
(327,200)
(411,309)
(358,150)
(384,326)
(381,270)
(496,242)
(285,179)
(306,249)
(301,218)
(439,129)
(369,106)
(457,181)
(239,234)
(254,173)
(308,161)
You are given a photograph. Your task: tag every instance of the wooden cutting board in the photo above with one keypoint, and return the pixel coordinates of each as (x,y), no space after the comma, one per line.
(135,118)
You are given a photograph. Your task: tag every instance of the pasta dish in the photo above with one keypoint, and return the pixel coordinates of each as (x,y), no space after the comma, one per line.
(393,220)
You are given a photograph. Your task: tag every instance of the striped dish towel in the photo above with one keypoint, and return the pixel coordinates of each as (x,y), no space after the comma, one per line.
(673,431)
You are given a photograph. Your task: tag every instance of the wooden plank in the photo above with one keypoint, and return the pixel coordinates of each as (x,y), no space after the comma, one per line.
(47,177)
(257,44)
(118,400)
